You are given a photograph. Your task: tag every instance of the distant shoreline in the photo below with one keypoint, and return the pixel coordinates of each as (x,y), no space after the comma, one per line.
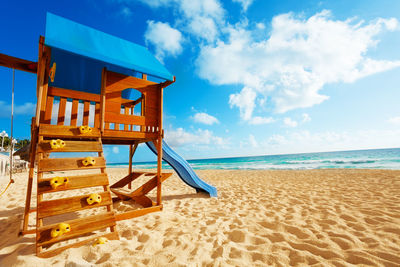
(388,158)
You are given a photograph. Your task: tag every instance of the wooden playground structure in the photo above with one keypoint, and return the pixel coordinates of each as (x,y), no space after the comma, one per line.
(114,121)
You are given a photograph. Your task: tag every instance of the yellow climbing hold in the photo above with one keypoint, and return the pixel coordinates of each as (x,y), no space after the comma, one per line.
(93,198)
(89,161)
(60,229)
(85,129)
(58,143)
(57,181)
(100,240)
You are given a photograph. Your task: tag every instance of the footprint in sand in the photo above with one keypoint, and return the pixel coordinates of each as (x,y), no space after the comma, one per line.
(237,236)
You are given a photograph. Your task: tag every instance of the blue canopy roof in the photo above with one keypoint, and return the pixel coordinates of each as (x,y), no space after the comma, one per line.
(81,52)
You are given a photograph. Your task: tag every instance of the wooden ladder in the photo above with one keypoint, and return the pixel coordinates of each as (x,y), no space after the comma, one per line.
(82,226)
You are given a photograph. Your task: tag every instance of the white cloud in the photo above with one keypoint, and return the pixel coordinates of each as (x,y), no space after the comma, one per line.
(292,65)
(245,101)
(24,109)
(289,122)
(201,18)
(257,120)
(306,117)
(252,140)
(115,150)
(166,40)
(180,137)
(305,141)
(245,3)
(394,120)
(205,118)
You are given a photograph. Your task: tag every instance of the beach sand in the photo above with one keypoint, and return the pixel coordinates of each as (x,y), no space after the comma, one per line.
(260,218)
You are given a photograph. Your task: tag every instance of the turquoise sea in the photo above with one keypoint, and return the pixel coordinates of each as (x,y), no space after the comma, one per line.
(359,159)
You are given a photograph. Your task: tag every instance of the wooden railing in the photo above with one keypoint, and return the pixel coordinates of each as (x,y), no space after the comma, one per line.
(75,108)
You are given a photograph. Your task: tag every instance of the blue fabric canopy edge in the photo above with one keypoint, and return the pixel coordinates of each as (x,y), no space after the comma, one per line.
(82,40)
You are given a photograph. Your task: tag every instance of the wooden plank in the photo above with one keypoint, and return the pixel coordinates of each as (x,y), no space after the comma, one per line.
(65,205)
(53,252)
(63,131)
(79,227)
(127,179)
(61,111)
(113,106)
(97,116)
(119,82)
(75,182)
(49,109)
(74,112)
(144,189)
(18,63)
(71,146)
(86,106)
(126,112)
(137,213)
(103,99)
(127,119)
(112,134)
(64,164)
(55,91)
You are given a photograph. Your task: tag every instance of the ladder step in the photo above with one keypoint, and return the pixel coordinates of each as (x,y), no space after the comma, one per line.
(75,182)
(65,164)
(53,252)
(60,131)
(71,146)
(79,227)
(65,205)
(127,179)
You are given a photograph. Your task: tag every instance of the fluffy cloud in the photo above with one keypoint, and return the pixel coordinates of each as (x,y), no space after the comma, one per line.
(25,109)
(245,3)
(292,65)
(165,39)
(289,122)
(115,149)
(305,141)
(201,18)
(205,118)
(180,137)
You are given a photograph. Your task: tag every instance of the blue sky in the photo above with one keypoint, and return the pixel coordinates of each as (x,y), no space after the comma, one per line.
(253,77)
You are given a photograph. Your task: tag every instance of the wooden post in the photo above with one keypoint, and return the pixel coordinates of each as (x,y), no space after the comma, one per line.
(40,80)
(103,98)
(32,157)
(130,164)
(159,147)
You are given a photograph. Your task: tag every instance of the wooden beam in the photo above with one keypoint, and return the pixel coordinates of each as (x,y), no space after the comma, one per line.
(103,98)
(53,252)
(18,63)
(136,213)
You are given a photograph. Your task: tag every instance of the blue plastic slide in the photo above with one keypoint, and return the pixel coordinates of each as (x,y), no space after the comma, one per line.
(183,169)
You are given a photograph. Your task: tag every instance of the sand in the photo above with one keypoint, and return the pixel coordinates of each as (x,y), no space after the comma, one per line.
(261,218)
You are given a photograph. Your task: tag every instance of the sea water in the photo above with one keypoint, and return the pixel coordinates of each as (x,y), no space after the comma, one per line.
(358,159)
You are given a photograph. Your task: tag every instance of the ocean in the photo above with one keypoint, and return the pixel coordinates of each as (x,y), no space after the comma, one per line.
(357,159)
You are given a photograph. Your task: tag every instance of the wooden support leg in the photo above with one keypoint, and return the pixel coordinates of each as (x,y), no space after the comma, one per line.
(32,158)
(106,187)
(159,169)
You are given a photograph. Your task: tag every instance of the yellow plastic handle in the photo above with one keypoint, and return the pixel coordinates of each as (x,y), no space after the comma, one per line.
(60,229)
(85,129)
(57,181)
(57,143)
(100,240)
(93,198)
(89,161)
